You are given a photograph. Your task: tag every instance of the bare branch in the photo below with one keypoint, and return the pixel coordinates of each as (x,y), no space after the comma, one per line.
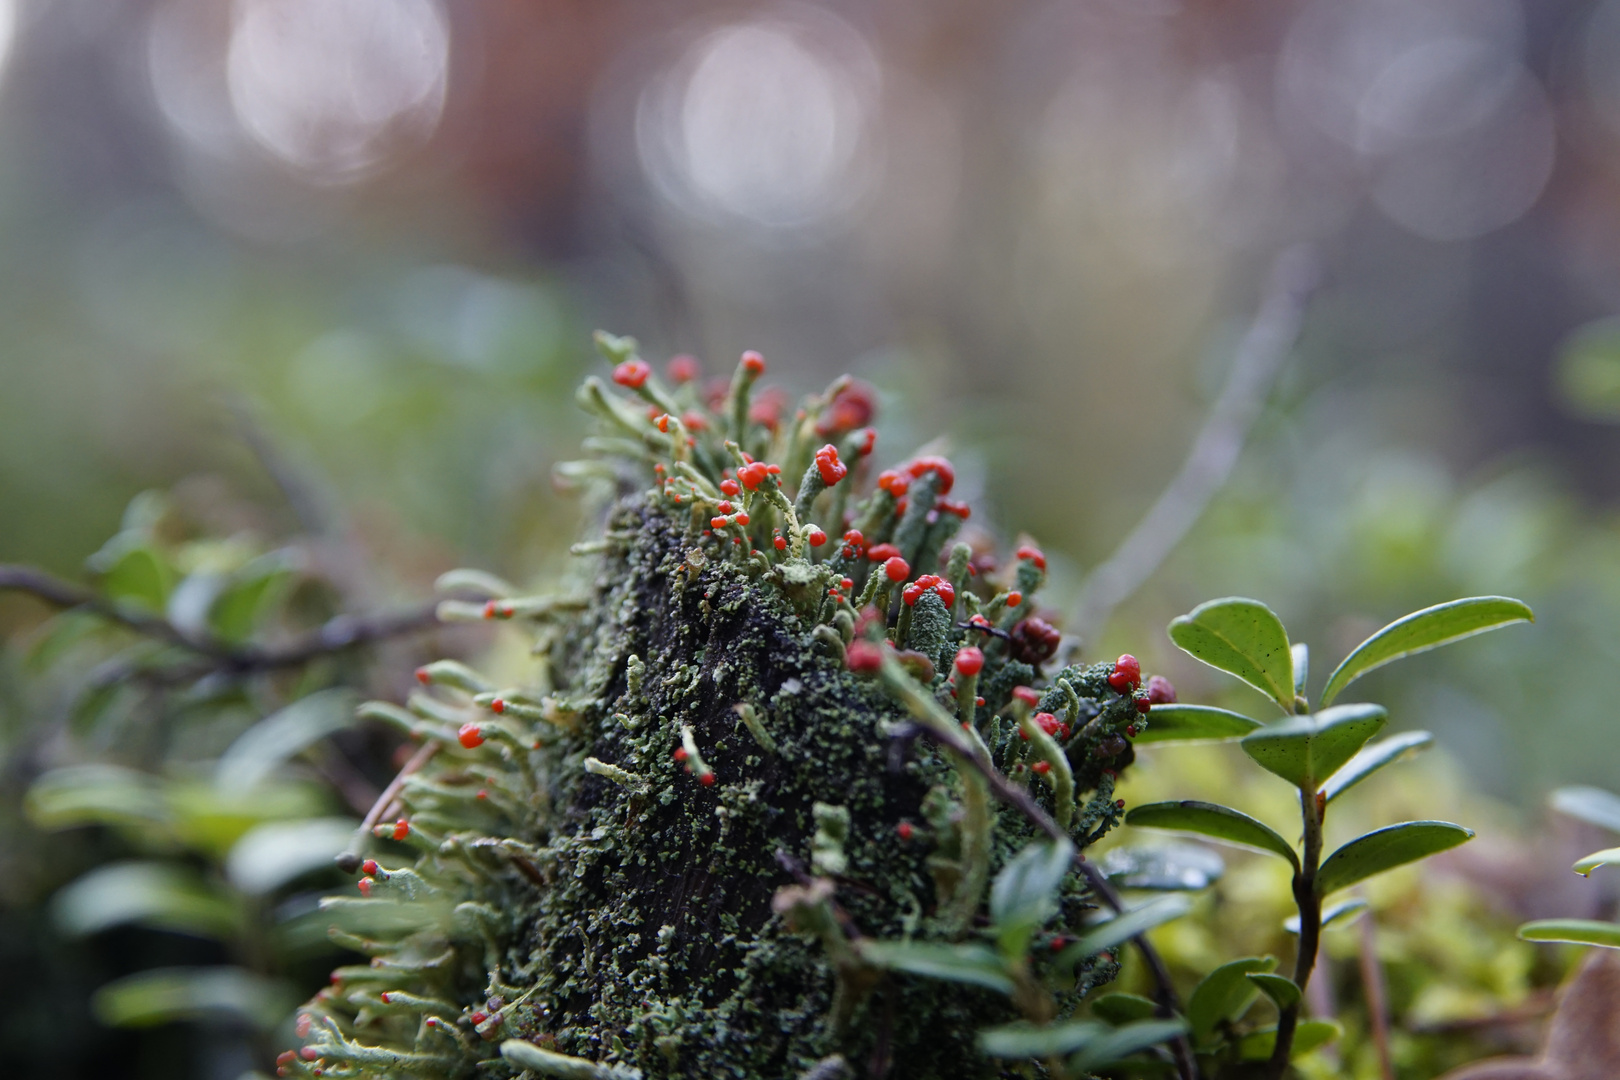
(1214,453)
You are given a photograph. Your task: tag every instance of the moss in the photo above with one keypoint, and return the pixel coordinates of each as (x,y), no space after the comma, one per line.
(622,913)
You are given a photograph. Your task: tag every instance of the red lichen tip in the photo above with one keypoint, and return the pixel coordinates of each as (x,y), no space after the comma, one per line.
(1042,767)
(632,373)
(946,593)
(1160,691)
(309,1053)
(1127,674)
(683,369)
(1033,554)
(423,676)
(369,867)
(969,660)
(478,1017)
(402,829)
(706,779)
(742,519)
(1015,598)
(725,507)
(905,830)
(300,1027)
(832,470)
(953,506)
(896,569)
(852,407)
(365,885)
(752,475)
(498,705)
(779,543)
(680,753)
(854,538)
(729,488)
(815,536)
(1050,724)
(894,482)
(1143,705)
(881,552)
(470,736)
(939,467)
(863,657)
(753,363)
(1028,695)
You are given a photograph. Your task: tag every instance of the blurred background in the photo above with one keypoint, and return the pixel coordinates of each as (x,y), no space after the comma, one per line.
(325,272)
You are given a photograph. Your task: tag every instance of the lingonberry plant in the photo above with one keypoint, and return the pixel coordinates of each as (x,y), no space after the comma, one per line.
(1595,807)
(1323,753)
(765,803)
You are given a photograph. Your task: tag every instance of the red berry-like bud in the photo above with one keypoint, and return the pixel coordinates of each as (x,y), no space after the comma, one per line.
(1033,554)
(402,829)
(854,538)
(753,363)
(632,373)
(946,592)
(832,470)
(742,519)
(752,475)
(779,543)
(680,753)
(1034,640)
(905,830)
(369,868)
(1119,803)
(498,705)
(422,675)
(865,441)
(683,369)
(707,779)
(662,420)
(718,522)
(309,1053)
(1128,666)
(863,657)
(815,536)
(1015,598)
(1048,723)
(471,736)
(478,1017)
(895,483)
(1042,767)
(1143,705)
(365,884)
(881,552)
(301,1027)
(724,507)
(939,467)
(970,660)
(694,421)
(729,487)
(1160,692)
(952,506)
(896,569)
(1028,695)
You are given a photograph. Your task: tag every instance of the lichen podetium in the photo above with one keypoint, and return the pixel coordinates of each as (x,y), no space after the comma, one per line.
(661,855)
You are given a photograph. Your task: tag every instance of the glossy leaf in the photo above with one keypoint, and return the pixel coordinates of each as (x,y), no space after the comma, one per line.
(1218,822)
(250,595)
(1306,750)
(1171,866)
(98,795)
(1343,911)
(1386,848)
(1424,630)
(1244,638)
(1308,1035)
(271,855)
(1024,894)
(132,572)
(1279,988)
(166,995)
(1589,804)
(1119,1008)
(1025,1040)
(212,819)
(1186,723)
(1225,994)
(971,964)
(1606,857)
(1124,1041)
(1127,924)
(164,896)
(1301,654)
(262,748)
(1573,932)
(1375,756)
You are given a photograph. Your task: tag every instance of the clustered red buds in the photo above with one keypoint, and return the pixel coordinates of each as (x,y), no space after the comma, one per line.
(470,736)
(896,569)
(863,657)
(929,583)
(1127,674)
(632,373)
(683,369)
(832,470)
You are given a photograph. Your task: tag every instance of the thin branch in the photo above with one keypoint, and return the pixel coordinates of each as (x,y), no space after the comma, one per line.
(349,861)
(337,634)
(1021,800)
(1372,982)
(1214,453)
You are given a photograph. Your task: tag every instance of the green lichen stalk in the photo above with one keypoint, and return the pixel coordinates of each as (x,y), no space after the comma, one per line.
(670,853)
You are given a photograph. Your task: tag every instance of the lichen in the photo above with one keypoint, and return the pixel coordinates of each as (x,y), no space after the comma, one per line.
(660,854)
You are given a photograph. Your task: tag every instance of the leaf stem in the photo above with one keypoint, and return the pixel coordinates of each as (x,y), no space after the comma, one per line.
(1310,927)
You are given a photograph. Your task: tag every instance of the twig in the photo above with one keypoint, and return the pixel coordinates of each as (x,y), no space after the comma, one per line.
(340,633)
(349,861)
(1372,982)
(1214,453)
(1020,800)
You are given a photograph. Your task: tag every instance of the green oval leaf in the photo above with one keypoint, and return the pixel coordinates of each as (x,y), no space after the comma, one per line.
(1173,866)
(1375,756)
(1219,822)
(1589,804)
(1119,1008)
(132,572)
(1606,857)
(1335,913)
(1184,723)
(1244,638)
(971,964)
(1023,896)
(272,854)
(1025,1040)
(1128,924)
(1125,1041)
(1386,848)
(1425,630)
(1308,1035)
(160,895)
(1573,932)
(1225,994)
(1306,750)
(1279,988)
(288,731)
(165,995)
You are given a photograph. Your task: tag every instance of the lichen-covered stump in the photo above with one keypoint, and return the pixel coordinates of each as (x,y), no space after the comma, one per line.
(673,851)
